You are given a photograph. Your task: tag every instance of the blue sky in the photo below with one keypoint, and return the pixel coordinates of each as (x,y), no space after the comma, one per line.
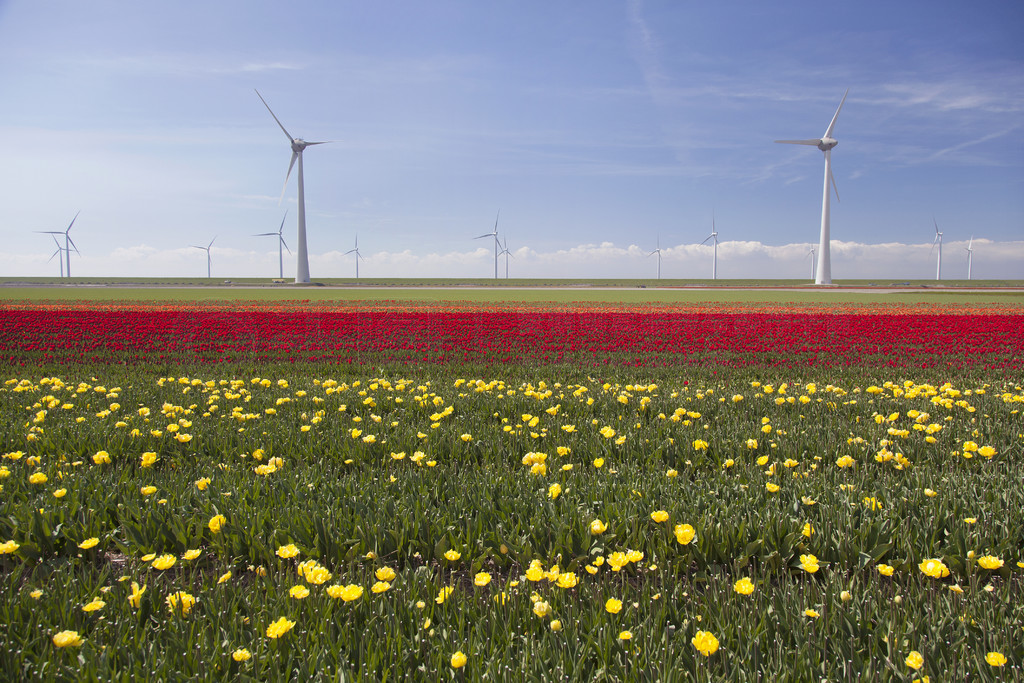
(599,129)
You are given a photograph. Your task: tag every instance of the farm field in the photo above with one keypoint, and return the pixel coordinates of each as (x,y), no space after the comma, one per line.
(527,292)
(574,489)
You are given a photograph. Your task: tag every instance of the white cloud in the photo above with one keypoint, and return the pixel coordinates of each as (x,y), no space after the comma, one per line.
(970,143)
(178,64)
(887,262)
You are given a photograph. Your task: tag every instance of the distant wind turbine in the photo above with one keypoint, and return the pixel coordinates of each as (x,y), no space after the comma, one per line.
(57,253)
(497,244)
(714,258)
(969,250)
(358,255)
(298,145)
(825,143)
(508,255)
(209,260)
(68,242)
(658,252)
(938,241)
(280,243)
(811,254)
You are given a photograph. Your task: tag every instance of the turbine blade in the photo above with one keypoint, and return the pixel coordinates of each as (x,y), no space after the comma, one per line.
(212,241)
(285,246)
(828,132)
(707,238)
(72,243)
(325,142)
(72,222)
(287,175)
(812,143)
(266,234)
(281,229)
(496,221)
(290,138)
(490,234)
(833,179)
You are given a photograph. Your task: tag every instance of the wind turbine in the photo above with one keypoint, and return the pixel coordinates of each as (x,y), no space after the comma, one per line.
(68,242)
(825,143)
(714,261)
(358,255)
(658,252)
(970,256)
(507,254)
(497,244)
(209,261)
(938,241)
(811,254)
(280,243)
(60,258)
(298,145)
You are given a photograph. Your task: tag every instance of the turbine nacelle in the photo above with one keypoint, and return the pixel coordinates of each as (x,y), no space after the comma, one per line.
(825,144)
(298,144)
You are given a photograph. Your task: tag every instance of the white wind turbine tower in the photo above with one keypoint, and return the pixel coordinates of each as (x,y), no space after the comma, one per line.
(280,243)
(825,143)
(60,258)
(497,244)
(507,254)
(68,242)
(811,254)
(209,261)
(358,255)
(714,259)
(658,252)
(969,250)
(938,241)
(298,145)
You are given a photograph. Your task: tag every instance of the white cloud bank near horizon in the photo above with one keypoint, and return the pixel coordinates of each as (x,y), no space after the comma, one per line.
(888,262)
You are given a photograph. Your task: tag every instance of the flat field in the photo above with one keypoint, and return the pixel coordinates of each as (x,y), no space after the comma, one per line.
(375,486)
(518,292)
